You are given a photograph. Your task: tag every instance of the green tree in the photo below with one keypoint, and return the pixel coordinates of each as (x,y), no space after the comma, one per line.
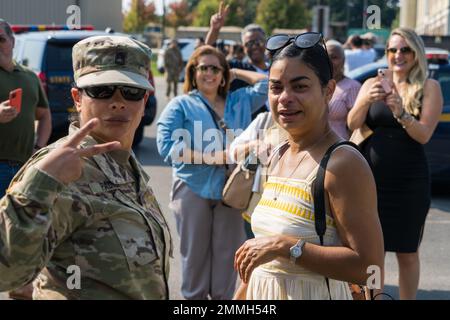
(203,12)
(290,14)
(140,14)
(242,12)
(179,14)
(396,21)
(192,4)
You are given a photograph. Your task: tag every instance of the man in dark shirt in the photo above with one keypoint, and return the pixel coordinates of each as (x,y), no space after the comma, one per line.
(18,137)
(253,39)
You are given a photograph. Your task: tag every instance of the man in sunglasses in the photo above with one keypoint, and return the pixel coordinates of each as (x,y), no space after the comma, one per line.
(253,40)
(86,223)
(357,56)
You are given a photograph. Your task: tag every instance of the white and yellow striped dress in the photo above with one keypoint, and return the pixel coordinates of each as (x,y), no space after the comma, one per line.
(292,213)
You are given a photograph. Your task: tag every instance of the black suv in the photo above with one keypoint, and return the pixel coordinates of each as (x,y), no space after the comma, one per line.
(49,54)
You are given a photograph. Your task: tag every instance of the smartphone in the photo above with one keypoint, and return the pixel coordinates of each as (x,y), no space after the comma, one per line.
(15,99)
(386,79)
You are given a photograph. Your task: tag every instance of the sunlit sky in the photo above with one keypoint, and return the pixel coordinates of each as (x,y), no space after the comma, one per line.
(158,4)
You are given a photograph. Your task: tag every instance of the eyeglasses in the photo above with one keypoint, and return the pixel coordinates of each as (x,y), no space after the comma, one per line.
(305,40)
(251,43)
(403,50)
(106,92)
(204,68)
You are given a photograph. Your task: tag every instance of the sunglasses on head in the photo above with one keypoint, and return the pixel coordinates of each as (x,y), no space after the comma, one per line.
(204,68)
(106,92)
(305,40)
(251,43)
(402,50)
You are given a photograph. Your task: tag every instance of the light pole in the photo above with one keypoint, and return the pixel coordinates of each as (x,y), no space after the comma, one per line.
(364,15)
(163,24)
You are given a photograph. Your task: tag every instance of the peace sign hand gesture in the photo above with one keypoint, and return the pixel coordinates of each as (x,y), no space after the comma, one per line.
(65,162)
(218,19)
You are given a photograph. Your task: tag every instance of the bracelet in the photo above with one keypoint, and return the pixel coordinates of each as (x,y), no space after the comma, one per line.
(401,115)
(405,120)
(406,126)
(233,75)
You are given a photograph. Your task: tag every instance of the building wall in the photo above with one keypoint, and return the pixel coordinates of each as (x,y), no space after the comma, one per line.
(408,10)
(34,12)
(99,13)
(102,13)
(433,17)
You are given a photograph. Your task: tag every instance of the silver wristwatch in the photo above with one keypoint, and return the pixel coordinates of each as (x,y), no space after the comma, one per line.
(297,250)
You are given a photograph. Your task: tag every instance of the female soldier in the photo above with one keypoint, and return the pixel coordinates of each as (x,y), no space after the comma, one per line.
(80,215)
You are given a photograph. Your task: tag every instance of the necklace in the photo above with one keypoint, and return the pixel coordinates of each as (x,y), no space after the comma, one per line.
(277,192)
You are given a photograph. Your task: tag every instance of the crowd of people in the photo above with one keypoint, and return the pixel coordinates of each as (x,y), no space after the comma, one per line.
(85,200)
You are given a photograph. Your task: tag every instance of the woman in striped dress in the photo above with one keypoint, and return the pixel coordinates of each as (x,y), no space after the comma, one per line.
(285,260)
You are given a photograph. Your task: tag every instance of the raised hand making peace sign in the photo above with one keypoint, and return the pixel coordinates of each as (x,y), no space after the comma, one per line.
(65,163)
(218,19)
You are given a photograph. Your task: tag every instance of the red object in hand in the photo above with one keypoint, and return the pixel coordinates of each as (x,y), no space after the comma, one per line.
(15,99)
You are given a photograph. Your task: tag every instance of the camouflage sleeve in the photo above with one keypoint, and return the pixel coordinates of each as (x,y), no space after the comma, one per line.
(25,220)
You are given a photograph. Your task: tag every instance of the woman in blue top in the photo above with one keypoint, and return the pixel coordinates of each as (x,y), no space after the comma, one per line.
(191,138)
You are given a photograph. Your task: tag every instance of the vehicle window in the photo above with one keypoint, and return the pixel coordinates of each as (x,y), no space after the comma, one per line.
(17,48)
(365,72)
(181,45)
(59,57)
(444,80)
(32,54)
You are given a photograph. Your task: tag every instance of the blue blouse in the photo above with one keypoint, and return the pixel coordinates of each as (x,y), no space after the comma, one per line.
(186,121)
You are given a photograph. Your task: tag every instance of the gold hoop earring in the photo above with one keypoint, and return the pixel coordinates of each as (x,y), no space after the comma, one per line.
(194,85)
(222,83)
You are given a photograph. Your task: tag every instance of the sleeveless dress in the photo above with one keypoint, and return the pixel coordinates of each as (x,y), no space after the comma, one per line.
(291,214)
(400,168)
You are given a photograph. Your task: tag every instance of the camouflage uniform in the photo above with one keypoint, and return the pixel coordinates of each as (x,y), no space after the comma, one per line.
(173,65)
(108,223)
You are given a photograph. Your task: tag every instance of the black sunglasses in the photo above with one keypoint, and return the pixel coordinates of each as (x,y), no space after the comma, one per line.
(305,40)
(106,92)
(204,68)
(251,43)
(402,50)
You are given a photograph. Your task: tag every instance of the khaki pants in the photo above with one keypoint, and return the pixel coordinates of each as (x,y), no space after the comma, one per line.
(210,234)
(172,82)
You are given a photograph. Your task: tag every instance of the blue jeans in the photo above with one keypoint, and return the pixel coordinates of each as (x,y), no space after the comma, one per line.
(7,173)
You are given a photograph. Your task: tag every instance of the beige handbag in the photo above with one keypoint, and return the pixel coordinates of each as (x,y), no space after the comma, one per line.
(361,134)
(238,188)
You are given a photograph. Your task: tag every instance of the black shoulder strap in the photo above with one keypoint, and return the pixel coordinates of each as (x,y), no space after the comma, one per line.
(319,189)
(218,121)
(319,195)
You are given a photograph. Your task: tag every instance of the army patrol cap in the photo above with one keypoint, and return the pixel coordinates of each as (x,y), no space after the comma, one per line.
(111,60)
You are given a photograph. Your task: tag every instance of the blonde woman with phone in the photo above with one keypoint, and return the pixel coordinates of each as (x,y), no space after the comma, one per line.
(403,117)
